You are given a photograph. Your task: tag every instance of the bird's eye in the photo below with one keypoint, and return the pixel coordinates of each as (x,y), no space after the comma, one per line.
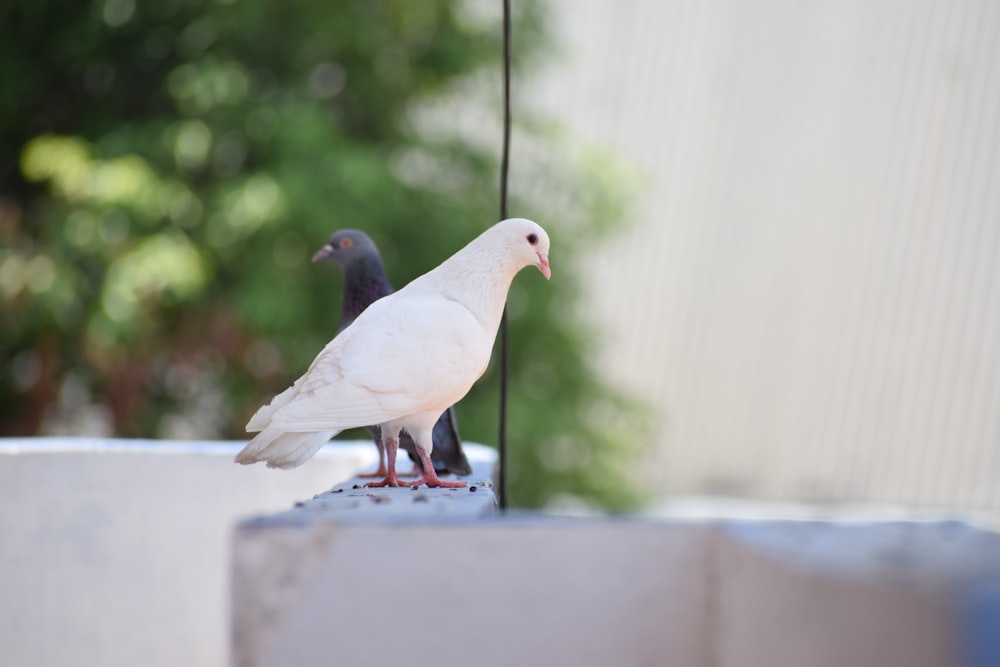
(532,239)
(346,243)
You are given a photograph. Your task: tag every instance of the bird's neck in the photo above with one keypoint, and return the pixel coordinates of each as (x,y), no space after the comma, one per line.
(479,282)
(364,282)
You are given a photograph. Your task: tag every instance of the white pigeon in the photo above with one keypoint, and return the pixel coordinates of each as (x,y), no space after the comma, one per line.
(405,359)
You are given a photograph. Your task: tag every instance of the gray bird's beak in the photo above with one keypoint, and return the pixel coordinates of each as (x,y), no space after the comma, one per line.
(323,252)
(543,266)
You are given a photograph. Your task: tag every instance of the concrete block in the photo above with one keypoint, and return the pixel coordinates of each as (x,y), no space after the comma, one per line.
(313,591)
(865,595)
(979,611)
(313,587)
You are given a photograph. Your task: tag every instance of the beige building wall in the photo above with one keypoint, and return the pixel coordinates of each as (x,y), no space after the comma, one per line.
(817,238)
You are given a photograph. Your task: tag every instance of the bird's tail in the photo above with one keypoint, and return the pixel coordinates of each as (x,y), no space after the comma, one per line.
(262,418)
(282,449)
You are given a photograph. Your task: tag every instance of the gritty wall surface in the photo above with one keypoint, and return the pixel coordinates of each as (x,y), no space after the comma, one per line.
(509,592)
(312,589)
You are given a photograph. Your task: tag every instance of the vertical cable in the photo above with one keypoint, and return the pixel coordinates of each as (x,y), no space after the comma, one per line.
(504,342)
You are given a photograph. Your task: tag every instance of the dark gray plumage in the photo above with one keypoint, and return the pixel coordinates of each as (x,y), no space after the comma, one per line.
(364,282)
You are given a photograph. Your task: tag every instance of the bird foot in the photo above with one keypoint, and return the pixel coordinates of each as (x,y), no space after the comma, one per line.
(381,472)
(433,481)
(390,480)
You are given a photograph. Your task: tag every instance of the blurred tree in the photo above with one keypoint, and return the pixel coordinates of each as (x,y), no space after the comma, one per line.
(167,169)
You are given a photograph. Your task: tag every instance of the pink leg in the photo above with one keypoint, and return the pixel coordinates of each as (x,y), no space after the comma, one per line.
(390,475)
(430,477)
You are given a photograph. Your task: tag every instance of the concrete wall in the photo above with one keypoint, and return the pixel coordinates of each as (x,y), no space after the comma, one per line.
(116,553)
(121,553)
(485,593)
(315,590)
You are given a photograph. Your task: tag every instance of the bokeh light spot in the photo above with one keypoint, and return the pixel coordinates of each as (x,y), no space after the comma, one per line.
(191,147)
(40,274)
(118,12)
(12,275)
(326,80)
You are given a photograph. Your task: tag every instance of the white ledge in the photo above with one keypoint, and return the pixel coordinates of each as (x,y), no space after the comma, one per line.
(141,530)
(354,501)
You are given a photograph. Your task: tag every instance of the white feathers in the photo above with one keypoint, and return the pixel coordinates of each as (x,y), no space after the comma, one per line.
(407,357)
(283,450)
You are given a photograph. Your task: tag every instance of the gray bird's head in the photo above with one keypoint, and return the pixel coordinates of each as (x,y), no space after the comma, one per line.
(346,247)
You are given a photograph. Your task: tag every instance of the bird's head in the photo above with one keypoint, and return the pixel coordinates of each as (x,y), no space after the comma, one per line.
(528,242)
(346,246)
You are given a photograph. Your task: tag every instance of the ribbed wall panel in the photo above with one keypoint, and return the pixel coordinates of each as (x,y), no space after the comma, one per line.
(818,238)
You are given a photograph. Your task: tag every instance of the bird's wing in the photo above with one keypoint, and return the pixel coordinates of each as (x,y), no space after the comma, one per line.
(400,357)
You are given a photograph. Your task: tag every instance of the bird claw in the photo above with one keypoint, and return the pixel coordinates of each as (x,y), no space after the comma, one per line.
(390,480)
(435,482)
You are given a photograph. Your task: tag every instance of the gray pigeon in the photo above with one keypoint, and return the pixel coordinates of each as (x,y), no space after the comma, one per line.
(364,282)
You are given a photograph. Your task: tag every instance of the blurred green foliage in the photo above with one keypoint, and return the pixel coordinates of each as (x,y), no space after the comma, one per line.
(168,168)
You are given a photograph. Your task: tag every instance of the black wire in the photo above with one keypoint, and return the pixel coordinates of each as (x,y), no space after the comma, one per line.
(504,339)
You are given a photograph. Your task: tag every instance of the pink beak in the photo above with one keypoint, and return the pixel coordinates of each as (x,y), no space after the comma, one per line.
(543,266)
